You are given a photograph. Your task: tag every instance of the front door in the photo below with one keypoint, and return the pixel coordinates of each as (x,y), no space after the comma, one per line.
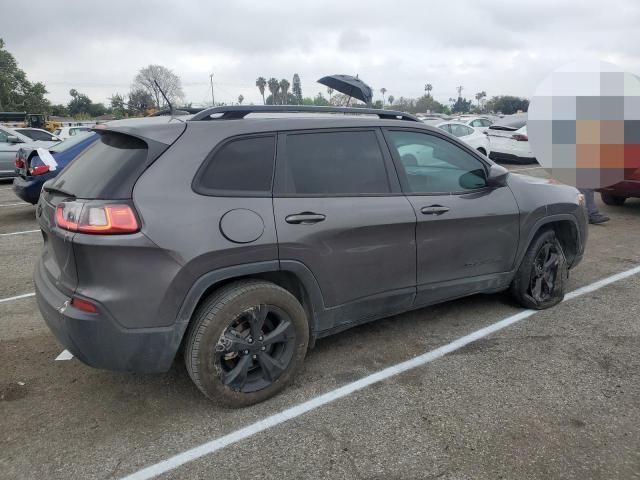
(340,213)
(467,232)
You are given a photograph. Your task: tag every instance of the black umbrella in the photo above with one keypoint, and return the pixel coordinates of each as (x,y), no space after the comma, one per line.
(349,85)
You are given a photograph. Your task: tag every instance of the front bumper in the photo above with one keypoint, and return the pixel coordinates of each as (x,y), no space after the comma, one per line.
(97,340)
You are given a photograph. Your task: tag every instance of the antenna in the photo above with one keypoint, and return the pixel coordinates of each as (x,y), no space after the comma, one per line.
(164,96)
(171,110)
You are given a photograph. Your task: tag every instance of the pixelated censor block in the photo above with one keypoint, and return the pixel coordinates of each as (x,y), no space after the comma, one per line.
(584,124)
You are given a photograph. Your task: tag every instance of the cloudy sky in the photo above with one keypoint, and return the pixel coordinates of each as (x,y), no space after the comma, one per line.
(502,47)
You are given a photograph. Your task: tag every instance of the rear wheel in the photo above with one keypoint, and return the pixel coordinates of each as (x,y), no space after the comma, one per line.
(541,279)
(246,342)
(612,199)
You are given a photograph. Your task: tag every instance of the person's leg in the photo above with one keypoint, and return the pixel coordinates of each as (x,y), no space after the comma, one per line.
(592,210)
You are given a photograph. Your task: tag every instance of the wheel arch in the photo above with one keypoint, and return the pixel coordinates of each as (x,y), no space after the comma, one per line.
(567,231)
(293,276)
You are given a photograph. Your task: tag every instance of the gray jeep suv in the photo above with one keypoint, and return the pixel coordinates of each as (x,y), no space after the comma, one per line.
(240,235)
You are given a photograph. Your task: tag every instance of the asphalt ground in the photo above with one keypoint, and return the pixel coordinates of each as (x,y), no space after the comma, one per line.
(556,395)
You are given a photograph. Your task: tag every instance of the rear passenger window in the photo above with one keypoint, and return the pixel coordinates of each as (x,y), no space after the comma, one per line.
(244,165)
(333,163)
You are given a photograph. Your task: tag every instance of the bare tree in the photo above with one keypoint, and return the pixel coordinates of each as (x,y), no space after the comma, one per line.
(168,81)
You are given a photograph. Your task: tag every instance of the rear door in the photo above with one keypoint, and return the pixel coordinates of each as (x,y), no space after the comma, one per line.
(339,211)
(466,230)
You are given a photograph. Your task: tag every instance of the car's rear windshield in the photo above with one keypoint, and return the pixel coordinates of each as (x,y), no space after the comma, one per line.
(70,142)
(107,169)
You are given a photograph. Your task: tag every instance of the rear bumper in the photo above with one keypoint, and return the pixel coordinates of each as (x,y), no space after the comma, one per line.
(510,158)
(98,341)
(28,189)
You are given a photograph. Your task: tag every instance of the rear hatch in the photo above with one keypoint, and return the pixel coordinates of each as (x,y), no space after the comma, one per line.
(106,171)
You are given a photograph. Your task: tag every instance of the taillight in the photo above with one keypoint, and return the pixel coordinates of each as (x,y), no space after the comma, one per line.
(520,137)
(19,162)
(84,305)
(39,169)
(97,219)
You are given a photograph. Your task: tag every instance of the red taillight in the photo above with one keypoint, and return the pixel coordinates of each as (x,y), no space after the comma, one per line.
(19,162)
(84,305)
(98,219)
(520,137)
(39,169)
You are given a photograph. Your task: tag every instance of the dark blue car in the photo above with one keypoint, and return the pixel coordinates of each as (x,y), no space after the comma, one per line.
(32,171)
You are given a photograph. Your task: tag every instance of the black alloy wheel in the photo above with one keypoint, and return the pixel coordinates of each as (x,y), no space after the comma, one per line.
(255,349)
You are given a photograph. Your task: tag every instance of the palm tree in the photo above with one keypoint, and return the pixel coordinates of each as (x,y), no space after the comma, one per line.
(383,91)
(391,99)
(480,96)
(261,83)
(284,89)
(240,99)
(427,88)
(330,92)
(274,86)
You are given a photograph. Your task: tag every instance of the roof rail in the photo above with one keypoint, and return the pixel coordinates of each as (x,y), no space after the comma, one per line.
(240,111)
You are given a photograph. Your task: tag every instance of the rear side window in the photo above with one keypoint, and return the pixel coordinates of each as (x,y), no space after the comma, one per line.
(241,166)
(106,169)
(333,163)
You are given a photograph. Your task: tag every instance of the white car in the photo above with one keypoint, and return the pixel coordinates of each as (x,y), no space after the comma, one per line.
(479,123)
(509,140)
(38,134)
(10,142)
(66,132)
(469,135)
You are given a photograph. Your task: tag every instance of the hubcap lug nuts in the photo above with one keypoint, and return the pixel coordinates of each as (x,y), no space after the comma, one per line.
(255,356)
(246,352)
(250,340)
(263,348)
(260,338)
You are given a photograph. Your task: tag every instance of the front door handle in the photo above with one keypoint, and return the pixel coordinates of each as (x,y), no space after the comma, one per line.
(305,218)
(434,210)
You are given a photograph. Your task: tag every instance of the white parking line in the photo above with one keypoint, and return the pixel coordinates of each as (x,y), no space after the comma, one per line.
(23,204)
(64,355)
(18,233)
(17,297)
(317,402)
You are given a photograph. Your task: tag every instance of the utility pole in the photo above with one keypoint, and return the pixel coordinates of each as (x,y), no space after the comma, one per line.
(213,100)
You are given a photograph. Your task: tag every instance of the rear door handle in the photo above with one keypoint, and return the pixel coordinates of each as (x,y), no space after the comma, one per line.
(305,218)
(434,210)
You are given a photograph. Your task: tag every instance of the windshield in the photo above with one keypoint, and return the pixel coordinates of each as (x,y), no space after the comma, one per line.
(70,142)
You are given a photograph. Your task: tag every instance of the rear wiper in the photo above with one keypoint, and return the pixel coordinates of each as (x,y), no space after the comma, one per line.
(58,190)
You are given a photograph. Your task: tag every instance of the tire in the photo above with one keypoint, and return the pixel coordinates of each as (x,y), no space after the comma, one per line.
(551,280)
(614,200)
(221,356)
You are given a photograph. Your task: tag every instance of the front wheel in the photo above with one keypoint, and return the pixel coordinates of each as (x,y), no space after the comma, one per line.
(246,342)
(541,279)
(612,199)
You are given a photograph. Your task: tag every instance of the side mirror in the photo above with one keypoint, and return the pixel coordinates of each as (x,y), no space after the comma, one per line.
(13,139)
(497,176)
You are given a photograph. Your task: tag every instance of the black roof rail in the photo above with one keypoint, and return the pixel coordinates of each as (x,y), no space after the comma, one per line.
(234,112)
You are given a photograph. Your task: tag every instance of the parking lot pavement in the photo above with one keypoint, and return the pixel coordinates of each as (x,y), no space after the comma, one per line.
(555,396)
